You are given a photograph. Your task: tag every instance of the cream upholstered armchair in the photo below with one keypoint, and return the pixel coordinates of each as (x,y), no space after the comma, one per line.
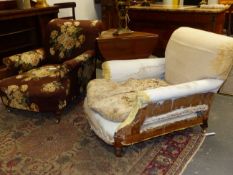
(141,99)
(48,78)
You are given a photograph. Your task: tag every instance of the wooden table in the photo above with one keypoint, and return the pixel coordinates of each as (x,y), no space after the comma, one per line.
(126,46)
(164,19)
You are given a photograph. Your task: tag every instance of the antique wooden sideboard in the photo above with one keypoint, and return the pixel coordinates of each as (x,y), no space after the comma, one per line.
(164,19)
(25,29)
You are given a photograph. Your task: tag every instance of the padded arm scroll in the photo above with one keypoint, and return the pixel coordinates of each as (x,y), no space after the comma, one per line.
(181,90)
(73,63)
(25,61)
(122,70)
(170,93)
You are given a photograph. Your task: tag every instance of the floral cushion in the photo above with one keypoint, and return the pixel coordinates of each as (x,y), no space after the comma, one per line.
(114,101)
(25,61)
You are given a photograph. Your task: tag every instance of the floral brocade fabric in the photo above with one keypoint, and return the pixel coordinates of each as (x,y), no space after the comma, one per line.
(70,64)
(114,101)
(64,40)
(46,82)
(25,61)
(45,88)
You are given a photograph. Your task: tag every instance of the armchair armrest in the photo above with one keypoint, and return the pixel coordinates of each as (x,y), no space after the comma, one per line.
(181,90)
(83,66)
(159,95)
(122,70)
(25,61)
(73,63)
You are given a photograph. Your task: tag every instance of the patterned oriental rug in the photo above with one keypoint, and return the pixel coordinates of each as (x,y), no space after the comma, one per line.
(33,144)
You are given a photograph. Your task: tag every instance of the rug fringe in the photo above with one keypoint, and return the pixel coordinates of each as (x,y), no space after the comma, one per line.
(193,154)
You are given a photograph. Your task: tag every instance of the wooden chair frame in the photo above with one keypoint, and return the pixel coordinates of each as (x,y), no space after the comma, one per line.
(131,134)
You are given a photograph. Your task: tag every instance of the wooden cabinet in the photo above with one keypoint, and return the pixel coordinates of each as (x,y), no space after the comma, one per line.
(23,30)
(163,20)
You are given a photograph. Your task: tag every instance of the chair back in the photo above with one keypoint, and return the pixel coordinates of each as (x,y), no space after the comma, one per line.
(65,40)
(65,5)
(70,38)
(193,54)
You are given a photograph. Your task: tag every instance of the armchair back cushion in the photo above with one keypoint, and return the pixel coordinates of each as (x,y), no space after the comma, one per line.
(67,39)
(192,54)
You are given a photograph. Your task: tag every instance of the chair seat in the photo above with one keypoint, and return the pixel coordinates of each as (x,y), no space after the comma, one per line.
(35,89)
(114,101)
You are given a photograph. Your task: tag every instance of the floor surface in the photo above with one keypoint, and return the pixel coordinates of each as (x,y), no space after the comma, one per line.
(215,157)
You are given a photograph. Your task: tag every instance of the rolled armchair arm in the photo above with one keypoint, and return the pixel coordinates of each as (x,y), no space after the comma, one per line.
(122,70)
(83,67)
(159,95)
(73,63)
(25,61)
(182,90)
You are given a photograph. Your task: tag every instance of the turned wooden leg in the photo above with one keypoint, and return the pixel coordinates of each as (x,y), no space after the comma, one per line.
(118,151)
(8,109)
(57,117)
(204,126)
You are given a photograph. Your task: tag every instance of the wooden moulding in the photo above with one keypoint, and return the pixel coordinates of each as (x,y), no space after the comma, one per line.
(131,133)
(8,4)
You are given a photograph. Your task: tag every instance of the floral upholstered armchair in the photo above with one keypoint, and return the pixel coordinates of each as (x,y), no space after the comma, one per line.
(48,78)
(141,99)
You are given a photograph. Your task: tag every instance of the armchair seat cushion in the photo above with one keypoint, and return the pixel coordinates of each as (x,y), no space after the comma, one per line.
(115,101)
(38,89)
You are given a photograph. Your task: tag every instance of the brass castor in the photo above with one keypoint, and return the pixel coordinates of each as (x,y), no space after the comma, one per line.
(57,121)
(203,131)
(57,117)
(204,126)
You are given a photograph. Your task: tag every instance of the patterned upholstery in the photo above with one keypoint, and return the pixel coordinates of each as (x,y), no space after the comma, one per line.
(50,77)
(25,61)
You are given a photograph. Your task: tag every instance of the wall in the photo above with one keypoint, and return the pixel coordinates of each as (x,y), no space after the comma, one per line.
(85,9)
